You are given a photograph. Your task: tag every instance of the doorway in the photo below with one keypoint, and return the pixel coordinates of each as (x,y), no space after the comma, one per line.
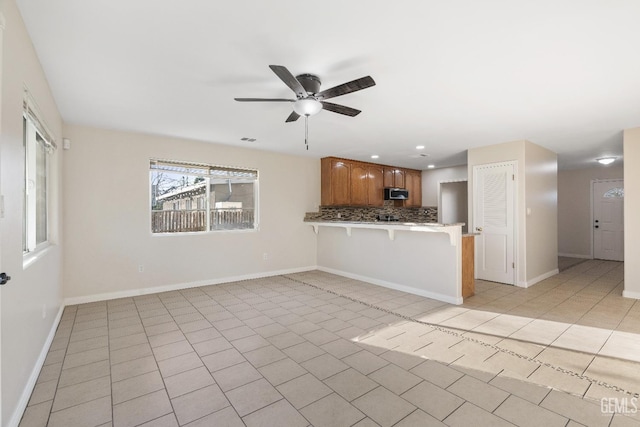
(452,203)
(494,195)
(608,219)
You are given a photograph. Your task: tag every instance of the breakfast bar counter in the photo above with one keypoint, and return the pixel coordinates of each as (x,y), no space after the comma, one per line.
(420,258)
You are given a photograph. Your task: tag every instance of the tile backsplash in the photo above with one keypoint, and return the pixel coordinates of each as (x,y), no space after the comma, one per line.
(368,214)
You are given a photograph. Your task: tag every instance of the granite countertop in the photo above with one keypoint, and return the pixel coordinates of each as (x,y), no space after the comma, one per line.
(426,224)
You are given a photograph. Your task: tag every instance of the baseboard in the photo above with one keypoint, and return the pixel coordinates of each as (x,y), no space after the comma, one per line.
(631,294)
(575,256)
(540,278)
(14,421)
(396,286)
(178,286)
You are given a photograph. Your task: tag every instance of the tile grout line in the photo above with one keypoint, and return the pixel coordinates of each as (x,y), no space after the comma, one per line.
(495,347)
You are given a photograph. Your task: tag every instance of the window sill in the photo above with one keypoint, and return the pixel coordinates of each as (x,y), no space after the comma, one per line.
(204,233)
(32,257)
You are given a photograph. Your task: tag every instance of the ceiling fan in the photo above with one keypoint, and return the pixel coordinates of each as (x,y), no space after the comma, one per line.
(309,100)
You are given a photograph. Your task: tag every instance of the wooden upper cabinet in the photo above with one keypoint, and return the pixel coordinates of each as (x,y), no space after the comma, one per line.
(388,177)
(375,174)
(394,177)
(353,183)
(335,182)
(414,186)
(359,184)
(399,180)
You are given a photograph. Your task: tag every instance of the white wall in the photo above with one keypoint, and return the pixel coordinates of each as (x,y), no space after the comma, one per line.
(24,330)
(431,178)
(631,209)
(107,216)
(453,206)
(574,207)
(541,204)
(422,263)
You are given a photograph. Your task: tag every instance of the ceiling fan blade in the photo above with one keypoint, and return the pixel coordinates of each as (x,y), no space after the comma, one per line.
(340,109)
(264,100)
(292,117)
(289,79)
(345,88)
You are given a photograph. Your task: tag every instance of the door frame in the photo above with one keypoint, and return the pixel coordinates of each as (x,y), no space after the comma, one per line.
(516,216)
(439,196)
(591,207)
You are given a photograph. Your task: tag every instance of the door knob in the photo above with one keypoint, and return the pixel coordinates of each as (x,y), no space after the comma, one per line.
(478,228)
(4,278)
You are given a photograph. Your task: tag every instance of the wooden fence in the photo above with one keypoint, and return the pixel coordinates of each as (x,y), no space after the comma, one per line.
(182,221)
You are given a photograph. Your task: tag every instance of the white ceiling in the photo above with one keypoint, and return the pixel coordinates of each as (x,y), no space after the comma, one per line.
(450,75)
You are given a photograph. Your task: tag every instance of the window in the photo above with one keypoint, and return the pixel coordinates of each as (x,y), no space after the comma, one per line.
(38,146)
(191,197)
(617,192)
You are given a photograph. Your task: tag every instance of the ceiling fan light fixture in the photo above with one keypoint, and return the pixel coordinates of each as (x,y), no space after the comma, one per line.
(606,160)
(307,106)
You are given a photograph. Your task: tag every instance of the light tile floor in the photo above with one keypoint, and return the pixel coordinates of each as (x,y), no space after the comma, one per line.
(319,349)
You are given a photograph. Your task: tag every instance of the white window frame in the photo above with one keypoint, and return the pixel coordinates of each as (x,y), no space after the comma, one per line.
(34,128)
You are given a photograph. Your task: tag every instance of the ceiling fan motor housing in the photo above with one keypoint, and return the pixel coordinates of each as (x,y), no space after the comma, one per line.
(310,83)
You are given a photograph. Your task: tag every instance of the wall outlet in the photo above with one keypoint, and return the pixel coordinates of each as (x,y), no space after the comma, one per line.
(141,268)
(44,311)
(265,256)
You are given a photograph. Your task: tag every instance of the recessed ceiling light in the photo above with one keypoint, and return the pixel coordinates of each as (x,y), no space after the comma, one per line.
(375,156)
(431,166)
(419,147)
(606,160)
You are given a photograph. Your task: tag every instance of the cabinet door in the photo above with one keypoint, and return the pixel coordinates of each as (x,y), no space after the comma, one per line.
(414,186)
(359,187)
(417,189)
(399,178)
(340,182)
(388,177)
(376,185)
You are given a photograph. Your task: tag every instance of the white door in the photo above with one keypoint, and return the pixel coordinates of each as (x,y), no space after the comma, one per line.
(494,219)
(608,225)
(2,26)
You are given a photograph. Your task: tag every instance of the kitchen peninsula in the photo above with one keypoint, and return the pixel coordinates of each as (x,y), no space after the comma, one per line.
(419,258)
(364,233)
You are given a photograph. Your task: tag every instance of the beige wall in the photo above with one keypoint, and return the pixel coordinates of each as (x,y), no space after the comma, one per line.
(536,235)
(631,209)
(574,208)
(36,287)
(108,222)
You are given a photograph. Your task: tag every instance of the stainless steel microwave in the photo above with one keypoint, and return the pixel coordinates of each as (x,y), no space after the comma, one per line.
(396,194)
